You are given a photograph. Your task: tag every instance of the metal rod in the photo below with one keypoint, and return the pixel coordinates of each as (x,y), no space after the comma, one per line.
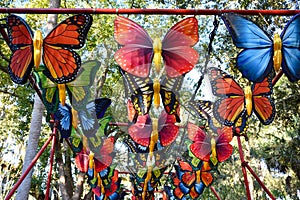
(35,87)
(277,77)
(29,168)
(212,188)
(259,181)
(54,133)
(243,168)
(158,11)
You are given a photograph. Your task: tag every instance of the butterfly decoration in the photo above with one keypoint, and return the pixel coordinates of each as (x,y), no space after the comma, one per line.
(138,49)
(208,147)
(89,115)
(142,91)
(141,131)
(188,181)
(78,90)
(95,162)
(235,102)
(59,57)
(261,53)
(138,180)
(95,141)
(68,118)
(108,186)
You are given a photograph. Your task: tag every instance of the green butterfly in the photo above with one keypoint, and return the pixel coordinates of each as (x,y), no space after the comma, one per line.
(78,90)
(95,141)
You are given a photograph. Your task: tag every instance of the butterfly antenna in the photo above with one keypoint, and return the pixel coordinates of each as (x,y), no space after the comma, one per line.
(207,56)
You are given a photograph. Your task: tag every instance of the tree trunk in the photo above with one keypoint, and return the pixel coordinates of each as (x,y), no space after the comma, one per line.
(36,123)
(33,140)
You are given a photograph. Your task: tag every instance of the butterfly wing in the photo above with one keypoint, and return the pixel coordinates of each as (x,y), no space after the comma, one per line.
(64,115)
(139,90)
(82,161)
(141,131)
(61,60)
(20,42)
(198,189)
(255,61)
(169,93)
(206,178)
(136,53)
(50,94)
(101,105)
(168,131)
(104,155)
(201,146)
(204,110)
(224,149)
(177,52)
(79,89)
(290,49)
(88,119)
(230,106)
(103,123)
(264,106)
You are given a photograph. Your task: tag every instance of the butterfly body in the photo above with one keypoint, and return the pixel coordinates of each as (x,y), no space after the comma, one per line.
(277,58)
(157,50)
(37,48)
(56,49)
(260,53)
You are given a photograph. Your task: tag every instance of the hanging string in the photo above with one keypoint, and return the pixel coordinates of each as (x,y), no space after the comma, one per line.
(207,56)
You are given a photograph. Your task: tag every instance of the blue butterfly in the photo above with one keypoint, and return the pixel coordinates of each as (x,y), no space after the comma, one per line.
(256,60)
(88,117)
(89,114)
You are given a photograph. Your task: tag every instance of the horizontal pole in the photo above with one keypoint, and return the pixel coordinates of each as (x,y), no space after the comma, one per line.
(158,11)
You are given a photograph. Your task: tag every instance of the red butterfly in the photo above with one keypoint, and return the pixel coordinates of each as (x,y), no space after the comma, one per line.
(207,147)
(139,50)
(235,101)
(141,131)
(61,61)
(97,161)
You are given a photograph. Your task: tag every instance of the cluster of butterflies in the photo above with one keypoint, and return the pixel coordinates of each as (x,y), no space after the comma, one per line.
(152,133)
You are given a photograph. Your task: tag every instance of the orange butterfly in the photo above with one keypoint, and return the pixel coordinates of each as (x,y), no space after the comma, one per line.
(61,61)
(234,102)
(191,180)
